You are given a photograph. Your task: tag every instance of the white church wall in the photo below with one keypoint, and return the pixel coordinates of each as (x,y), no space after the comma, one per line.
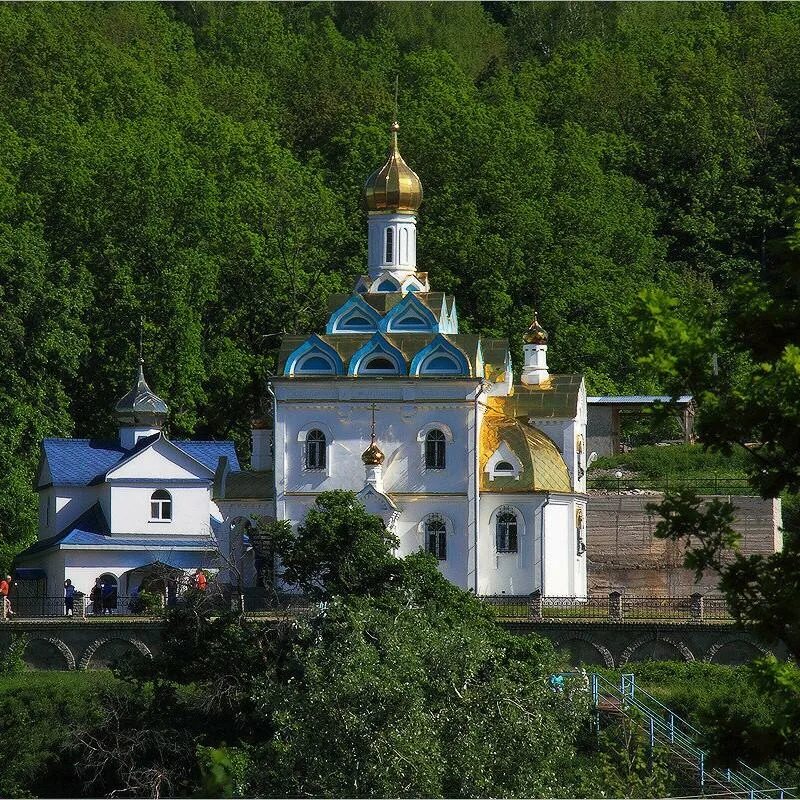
(161,459)
(564,569)
(84,566)
(399,420)
(454,510)
(68,502)
(130,508)
(509,573)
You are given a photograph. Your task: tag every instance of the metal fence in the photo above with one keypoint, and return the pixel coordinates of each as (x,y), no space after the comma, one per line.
(81,606)
(708,484)
(612,607)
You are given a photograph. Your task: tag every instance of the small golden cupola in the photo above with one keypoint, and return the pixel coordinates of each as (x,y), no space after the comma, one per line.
(535,334)
(394,187)
(373,456)
(534,369)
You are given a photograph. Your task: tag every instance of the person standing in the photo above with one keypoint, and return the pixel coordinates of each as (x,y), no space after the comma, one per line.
(69,597)
(200,580)
(5,587)
(96,596)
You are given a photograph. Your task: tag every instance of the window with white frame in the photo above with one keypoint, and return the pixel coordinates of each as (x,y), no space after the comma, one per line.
(315,450)
(506,531)
(436,536)
(503,463)
(389,245)
(160,506)
(435,449)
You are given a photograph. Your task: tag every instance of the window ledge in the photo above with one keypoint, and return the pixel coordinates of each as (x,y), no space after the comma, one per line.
(160,521)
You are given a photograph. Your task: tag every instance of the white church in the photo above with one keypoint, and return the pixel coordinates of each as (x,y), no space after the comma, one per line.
(430,427)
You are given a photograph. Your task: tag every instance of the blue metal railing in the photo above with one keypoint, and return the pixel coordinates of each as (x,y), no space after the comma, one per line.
(666,728)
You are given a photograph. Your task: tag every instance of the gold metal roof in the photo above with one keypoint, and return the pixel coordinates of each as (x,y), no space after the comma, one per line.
(557,398)
(543,467)
(394,186)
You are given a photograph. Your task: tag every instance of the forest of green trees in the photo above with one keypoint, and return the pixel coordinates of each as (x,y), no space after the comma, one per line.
(199,166)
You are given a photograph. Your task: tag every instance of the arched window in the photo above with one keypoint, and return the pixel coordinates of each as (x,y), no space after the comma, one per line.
(506,534)
(315,450)
(504,466)
(435,450)
(389,245)
(160,506)
(379,364)
(436,537)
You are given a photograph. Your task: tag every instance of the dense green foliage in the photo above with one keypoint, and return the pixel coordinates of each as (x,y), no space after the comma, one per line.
(730,706)
(397,688)
(685,460)
(199,166)
(40,714)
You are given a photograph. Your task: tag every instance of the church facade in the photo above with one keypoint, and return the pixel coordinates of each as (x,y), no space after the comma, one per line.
(431,427)
(134,512)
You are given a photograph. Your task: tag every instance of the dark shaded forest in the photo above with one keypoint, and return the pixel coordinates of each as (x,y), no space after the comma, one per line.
(199,166)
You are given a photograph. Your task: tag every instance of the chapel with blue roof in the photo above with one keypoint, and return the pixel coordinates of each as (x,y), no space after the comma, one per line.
(135,511)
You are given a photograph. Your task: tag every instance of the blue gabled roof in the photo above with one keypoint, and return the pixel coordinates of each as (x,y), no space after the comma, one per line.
(91,525)
(91,530)
(82,462)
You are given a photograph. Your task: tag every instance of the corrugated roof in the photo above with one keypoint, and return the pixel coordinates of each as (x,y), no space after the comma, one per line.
(249,485)
(557,398)
(636,399)
(82,462)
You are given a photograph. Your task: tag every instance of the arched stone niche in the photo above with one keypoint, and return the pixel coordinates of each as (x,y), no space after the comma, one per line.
(584,650)
(48,653)
(103,653)
(656,648)
(734,649)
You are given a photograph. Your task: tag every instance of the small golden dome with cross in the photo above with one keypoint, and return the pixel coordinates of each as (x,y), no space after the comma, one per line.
(536,334)
(373,456)
(394,186)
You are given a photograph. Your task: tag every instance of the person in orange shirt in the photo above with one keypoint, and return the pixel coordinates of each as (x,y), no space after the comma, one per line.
(200,581)
(5,586)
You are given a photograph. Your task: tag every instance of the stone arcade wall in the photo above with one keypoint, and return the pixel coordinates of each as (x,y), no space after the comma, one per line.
(623,554)
(60,644)
(96,644)
(624,643)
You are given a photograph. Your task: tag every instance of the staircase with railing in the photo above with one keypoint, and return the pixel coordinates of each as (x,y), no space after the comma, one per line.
(678,739)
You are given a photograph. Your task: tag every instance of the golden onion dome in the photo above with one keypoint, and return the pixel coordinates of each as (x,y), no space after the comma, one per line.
(373,456)
(394,186)
(536,334)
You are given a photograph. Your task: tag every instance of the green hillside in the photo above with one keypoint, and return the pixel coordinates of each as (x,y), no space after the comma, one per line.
(199,166)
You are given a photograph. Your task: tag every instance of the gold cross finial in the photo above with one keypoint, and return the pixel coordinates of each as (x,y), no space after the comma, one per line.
(373,408)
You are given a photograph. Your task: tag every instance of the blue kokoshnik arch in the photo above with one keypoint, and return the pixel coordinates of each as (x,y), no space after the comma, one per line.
(355,316)
(410,315)
(377,349)
(440,358)
(314,357)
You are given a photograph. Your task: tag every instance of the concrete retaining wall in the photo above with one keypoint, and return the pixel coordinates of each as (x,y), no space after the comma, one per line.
(624,555)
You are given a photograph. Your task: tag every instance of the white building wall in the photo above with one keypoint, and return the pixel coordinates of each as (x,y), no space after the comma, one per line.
(83,566)
(130,508)
(510,573)
(67,504)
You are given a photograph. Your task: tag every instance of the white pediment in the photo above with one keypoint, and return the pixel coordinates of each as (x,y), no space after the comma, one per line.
(379,504)
(160,460)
